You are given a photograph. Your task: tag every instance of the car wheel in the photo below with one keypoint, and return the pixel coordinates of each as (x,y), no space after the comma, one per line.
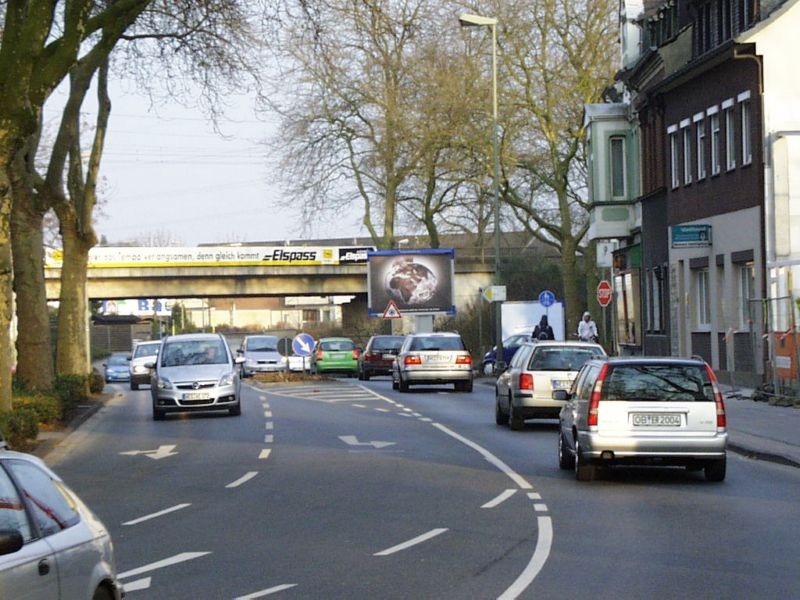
(158,415)
(102,593)
(566,460)
(134,386)
(515,422)
(395,385)
(714,470)
(365,375)
(235,411)
(402,385)
(500,417)
(584,470)
(488,368)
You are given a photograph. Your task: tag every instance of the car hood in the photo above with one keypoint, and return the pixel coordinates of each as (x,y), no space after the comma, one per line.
(195,372)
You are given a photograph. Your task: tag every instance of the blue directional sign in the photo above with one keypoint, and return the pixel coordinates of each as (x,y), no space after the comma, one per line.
(303,344)
(547,298)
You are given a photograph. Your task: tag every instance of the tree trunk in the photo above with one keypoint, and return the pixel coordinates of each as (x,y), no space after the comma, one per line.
(72,357)
(6,361)
(34,350)
(570,276)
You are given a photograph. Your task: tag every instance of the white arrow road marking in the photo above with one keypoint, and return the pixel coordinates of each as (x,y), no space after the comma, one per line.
(138,585)
(160,513)
(500,499)
(352,440)
(417,540)
(167,562)
(243,479)
(162,452)
(262,593)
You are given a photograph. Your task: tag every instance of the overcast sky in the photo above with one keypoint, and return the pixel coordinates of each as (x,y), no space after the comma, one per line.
(167,171)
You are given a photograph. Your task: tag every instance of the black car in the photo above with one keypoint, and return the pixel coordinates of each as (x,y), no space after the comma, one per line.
(378,355)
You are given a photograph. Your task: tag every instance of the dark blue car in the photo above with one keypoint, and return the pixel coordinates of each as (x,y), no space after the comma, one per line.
(510,346)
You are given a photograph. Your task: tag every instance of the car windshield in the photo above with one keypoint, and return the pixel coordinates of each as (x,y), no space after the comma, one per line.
(146,350)
(117,360)
(262,344)
(387,343)
(195,352)
(437,343)
(336,345)
(561,359)
(658,382)
(516,340)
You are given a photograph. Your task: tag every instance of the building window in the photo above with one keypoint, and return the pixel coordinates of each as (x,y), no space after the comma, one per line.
(687,153)
(730,137)
(618,174)
(724,20)
(673,156)
(747,143)
(715,144)
(700,129)
(747,289)
(703,298)
(655,295)
(746,14)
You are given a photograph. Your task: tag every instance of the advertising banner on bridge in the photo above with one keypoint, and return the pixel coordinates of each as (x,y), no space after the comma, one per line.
(417,281)
(209,256)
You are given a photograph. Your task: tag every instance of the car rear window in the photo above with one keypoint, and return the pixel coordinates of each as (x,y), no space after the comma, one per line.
(146,350)
(267,344)
(334,345)
(437,343)
(561,359)
(665,383)
(387,343)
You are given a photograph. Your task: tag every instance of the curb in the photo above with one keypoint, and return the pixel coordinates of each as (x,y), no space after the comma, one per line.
(764,456)
(45,445)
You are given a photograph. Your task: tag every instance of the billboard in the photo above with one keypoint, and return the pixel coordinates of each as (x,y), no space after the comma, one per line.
(417,281)
(691,236)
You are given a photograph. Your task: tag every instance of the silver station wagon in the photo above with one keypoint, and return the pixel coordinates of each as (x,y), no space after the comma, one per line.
(646,411)
(432,358)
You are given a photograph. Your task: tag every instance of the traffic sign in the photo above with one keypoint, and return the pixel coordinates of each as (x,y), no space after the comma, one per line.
(494,293)
(547,298)
(391,312)
(604,293)
(303,344)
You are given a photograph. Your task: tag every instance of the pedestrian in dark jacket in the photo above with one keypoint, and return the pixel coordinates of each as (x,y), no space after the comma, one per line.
(543,331)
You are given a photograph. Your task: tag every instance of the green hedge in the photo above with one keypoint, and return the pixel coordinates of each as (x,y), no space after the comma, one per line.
(19,426)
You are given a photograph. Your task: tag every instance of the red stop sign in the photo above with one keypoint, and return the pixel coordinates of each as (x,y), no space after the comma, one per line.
(604,293)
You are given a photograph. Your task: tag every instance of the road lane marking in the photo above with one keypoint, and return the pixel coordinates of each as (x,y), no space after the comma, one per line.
(540,507)
(413,542)
(269,438)
(161,452)
(268,414)
(262,593)
(540,554)
(352,440)
(426,420)
(243,479)
(138,585)
(359,406)
(383,410)
(491,458)
(154,515)
(500,499)
(534,496)
(160,564)
(269,425)
(264,454)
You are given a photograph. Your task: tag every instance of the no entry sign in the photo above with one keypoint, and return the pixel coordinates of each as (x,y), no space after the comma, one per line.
(604,293)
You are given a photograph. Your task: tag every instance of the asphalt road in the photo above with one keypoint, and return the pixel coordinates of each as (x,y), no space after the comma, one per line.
(349,490)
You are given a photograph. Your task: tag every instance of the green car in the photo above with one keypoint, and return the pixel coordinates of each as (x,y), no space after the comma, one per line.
(335,355)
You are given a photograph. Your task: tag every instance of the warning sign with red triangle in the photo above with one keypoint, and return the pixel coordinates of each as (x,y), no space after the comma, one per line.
(391,312)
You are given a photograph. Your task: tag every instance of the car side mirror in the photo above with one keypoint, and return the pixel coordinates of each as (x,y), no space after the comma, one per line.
(239,351)
(561,395)
(150,365)
(239,360)
(10,541)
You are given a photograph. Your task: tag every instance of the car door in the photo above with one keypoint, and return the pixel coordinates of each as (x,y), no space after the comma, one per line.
(31,572)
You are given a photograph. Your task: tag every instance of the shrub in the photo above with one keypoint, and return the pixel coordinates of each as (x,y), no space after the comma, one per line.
(96,382)
(19,427)
(46,407)
(71,390)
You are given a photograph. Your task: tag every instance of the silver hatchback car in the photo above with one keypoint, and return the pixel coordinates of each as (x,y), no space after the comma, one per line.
(195,372)
(526,390)
(651,411)
(261,355)
(427,358)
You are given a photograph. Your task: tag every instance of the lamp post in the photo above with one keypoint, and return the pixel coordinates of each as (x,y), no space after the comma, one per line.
(468,20)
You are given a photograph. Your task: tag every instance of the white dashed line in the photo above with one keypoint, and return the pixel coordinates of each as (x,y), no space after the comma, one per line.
(269,425)
(540,507)
(383,410)
(264,454)
(154,515)
(540,554)
(243,479)
(268,414)
(167,562)
(268,439)
(405,545)
(534,496)
(500,499)
(262,593)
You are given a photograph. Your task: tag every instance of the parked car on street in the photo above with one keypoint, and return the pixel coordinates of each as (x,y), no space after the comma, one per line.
(378,356)
(526,390)
(510,346)
(51,544)
(195,372)
(143,353)
(644,411)
(261,355)
(433,358)
(116,367)
(335,355)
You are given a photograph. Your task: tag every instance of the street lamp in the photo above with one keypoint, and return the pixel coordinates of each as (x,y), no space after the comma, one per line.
(468,20)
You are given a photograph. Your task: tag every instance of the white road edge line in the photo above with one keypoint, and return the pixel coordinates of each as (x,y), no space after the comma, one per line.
(167,562)
(243,479)
(138,585)
(160,513)
(262,593)
(538,559)
(500,499)
(417,540)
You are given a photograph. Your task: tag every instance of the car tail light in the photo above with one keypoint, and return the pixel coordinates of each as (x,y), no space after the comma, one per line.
(463,360)
(722,420)
(597,393)
(355,354)
(526,381)
(412,360)
(320,354)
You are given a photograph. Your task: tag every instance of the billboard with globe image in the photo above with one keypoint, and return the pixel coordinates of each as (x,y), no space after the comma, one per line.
(417,281)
